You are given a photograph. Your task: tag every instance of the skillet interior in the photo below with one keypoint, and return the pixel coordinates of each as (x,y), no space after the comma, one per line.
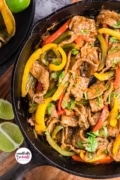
(88,9)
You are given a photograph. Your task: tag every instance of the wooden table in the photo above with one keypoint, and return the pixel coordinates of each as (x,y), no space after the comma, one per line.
(7,160)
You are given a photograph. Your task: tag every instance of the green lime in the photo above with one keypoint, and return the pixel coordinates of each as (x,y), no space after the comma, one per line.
(10,137)
(6,110)
(17,5)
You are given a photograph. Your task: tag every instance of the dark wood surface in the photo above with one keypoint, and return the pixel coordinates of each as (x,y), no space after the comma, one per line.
(7,160)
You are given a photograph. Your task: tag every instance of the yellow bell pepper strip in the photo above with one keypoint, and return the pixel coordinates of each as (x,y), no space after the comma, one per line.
(8,18)
(35,56)
(114,113)
(60,88)
(104,76)
(116,82)
(101,159)
(116,145)
(101,119)
(104,49)
(57,33)
(49,46)
(40,126)
(54,67)
(58,92)
(110,32)
(55,146)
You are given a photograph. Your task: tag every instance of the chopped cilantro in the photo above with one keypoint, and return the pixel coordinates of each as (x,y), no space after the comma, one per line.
(113,40)
(83,31)
(80,144)
(117,24)
(75,51)
(61,76)
(69,105)
(92,143)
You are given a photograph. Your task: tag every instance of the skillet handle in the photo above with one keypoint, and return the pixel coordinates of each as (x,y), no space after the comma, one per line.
(18,172)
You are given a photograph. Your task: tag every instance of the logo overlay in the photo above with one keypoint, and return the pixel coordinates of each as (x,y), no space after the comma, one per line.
(23,155)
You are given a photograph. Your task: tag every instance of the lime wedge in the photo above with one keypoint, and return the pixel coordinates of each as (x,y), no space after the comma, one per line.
(10,137)
(6,110)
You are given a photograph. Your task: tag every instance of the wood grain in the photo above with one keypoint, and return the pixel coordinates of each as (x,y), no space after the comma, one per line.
(7,160)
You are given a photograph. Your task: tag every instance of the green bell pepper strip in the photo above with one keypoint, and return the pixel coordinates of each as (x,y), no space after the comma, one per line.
(114,113)
(55,146)
(110,32)
(70,46)
(50,92)
(104,76)
(56,130)
(63,36)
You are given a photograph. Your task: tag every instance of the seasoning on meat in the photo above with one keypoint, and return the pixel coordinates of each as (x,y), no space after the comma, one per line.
(78,105)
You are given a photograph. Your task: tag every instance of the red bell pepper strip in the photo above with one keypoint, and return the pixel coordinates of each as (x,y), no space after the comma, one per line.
(60,110)
(117,78)
(77,158)
(57,33)
(104,160)
(39,87)
(82,37)
(101,119)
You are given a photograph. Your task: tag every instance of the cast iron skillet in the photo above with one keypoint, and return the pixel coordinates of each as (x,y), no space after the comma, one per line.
(42,153)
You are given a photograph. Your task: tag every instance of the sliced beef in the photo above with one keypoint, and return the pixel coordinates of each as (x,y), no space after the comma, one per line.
(113,57)
(83,119)
(42,75)
(80,87)
(96,104)
(96,90)
(82,25)
(108,17)
(69,121)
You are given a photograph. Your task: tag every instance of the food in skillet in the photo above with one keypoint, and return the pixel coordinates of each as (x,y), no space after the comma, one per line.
(73,88)
(7,23)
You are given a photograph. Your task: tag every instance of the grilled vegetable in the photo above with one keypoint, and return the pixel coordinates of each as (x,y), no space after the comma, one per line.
(7,23)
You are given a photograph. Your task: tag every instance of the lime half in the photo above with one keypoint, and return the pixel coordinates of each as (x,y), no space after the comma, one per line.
(10,137)
(6,110)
